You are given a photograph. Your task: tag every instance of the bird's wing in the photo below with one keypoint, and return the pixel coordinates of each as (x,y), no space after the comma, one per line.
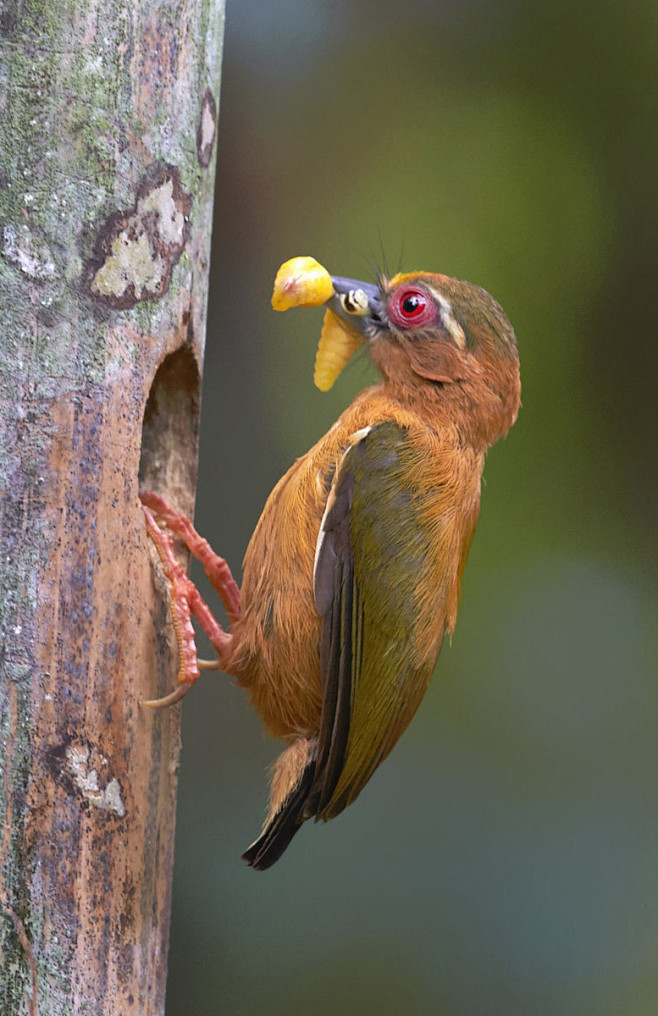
(371,555)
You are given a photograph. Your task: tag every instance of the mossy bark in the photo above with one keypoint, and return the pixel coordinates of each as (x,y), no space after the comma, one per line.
(107,153)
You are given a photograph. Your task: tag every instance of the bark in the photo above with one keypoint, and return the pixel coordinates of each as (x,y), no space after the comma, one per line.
(107,129)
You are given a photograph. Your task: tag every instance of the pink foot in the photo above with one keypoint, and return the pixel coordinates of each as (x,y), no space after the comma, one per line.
(186,601)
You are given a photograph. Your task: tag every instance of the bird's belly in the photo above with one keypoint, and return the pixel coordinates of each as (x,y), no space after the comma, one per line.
(285,689)
(275,652)
(277,661)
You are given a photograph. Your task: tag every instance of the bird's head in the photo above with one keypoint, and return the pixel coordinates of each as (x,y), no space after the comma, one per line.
(432,337)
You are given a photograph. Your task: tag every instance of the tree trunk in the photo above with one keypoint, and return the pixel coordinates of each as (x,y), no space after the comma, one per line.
(107,129)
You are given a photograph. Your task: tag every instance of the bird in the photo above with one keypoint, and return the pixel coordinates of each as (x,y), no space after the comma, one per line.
(351,579)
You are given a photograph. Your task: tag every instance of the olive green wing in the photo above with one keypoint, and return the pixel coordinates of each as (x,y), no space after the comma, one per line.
(371,555)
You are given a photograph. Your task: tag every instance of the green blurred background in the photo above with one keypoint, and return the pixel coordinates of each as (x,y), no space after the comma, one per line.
(504,860)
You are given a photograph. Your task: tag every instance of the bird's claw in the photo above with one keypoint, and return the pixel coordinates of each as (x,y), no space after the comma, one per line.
(185,600)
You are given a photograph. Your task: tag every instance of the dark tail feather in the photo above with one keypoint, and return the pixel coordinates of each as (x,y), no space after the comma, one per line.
(288,820)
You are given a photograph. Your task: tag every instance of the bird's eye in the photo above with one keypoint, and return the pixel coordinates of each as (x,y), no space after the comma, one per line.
(411,308)
(413,305)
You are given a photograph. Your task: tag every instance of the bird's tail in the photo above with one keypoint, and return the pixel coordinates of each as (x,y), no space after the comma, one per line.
(291,783)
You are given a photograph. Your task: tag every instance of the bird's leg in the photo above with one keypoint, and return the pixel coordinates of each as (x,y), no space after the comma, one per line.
(186,601)
(215,567)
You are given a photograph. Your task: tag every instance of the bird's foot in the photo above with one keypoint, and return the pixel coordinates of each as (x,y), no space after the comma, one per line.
(185,600)
(215,567)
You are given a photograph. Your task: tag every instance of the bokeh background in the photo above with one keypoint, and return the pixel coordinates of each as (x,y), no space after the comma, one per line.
(504,860)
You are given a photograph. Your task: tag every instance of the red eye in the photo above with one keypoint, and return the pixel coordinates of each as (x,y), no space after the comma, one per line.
(411,308)
(413,305)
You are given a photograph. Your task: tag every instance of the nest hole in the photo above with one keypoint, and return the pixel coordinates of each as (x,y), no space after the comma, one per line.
(170,431)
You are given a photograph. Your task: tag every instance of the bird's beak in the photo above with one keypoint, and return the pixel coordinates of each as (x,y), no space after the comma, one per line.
(358,303)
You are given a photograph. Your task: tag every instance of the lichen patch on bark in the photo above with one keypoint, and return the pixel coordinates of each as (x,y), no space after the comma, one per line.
(137,250)
(86,778)
(205,137)
(19,246)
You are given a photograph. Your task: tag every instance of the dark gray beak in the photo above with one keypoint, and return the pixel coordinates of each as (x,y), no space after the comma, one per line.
(359,303)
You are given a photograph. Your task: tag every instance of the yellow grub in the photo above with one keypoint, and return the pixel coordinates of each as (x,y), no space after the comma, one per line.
(301,282)
(338,342)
